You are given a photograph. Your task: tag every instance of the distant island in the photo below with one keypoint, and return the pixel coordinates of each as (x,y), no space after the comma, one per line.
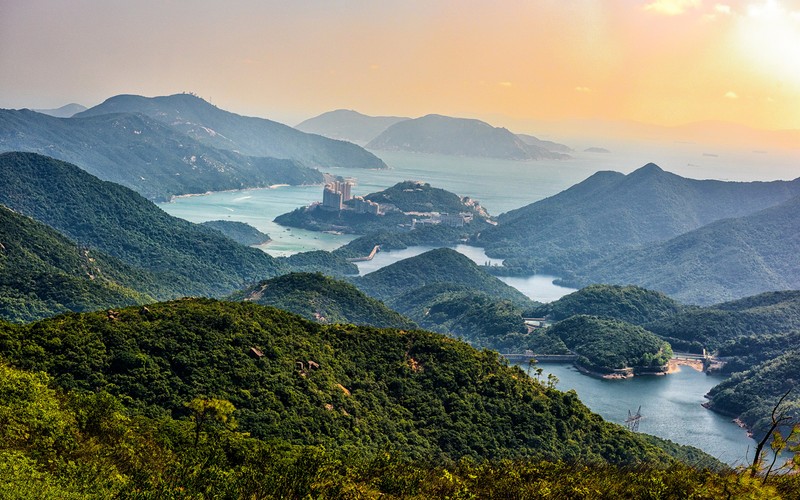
(596,150)
(446,135)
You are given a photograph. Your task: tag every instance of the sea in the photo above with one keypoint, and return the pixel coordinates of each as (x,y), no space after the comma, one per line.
(671,405)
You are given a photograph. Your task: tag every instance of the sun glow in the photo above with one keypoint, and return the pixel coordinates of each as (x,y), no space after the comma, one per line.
(769,38)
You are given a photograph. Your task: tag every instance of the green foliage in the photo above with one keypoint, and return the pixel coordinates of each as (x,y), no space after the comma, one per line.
(144,154)
(320,261)
(187,259)
(626,303)
(42,273)
(716,326)
(435,235)
(606,344)
(477,318)
(751,395)
(408,196)
(442,265)
(725,260)
(323,299)
(240,232)
(342,387)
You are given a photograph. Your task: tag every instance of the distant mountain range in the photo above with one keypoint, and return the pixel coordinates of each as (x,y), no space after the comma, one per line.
(610,211)
(432,134)
(725,260)
(214,127)
(445,135)
(144,154)
(348,125)
(66,111)
(186,258)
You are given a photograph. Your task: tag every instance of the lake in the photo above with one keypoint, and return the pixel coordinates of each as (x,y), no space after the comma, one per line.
(671,408)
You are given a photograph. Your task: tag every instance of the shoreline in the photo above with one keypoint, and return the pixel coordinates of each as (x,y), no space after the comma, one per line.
(238,190)
(622,374)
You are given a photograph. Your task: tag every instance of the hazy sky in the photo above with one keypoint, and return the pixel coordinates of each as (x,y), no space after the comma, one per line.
(664,62)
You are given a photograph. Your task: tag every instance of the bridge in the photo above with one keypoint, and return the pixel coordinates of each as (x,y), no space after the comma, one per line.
(368,257)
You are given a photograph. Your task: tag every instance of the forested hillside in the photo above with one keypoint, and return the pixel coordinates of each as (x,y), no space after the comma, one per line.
(187,259)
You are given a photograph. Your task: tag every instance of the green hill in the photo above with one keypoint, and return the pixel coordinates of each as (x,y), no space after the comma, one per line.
(144,154)
(320,261)
(42,273)
(751,395)
(400,205)
(610,211)
(323,299)
(215,127)
(626,303)
(187,259)
(240,232)
(716,326)
(342,387)
(607,344)
(442,265)
(475,317)
(725,260)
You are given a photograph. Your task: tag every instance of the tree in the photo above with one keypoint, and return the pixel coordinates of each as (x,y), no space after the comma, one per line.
(210,413)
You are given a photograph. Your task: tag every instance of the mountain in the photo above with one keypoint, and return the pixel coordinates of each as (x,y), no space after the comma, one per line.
(320,261)
(323,299)
(292,382)
(731,326)
(348,125)
(474,317)
(188,259)
(548,145)
(751,395)
(240,232)
(610,211)
(442,265)
(725,260)
(631,304)
(606,345)
(144,154)
(214,127)
(66,111)
(445,135)
(42,273)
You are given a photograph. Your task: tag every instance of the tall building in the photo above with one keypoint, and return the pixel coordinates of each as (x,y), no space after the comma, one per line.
(331,199)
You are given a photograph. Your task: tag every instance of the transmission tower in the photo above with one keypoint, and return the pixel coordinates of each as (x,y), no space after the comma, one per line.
(632,422)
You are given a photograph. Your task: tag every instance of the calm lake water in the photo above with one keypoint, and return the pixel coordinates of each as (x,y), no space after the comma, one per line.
(670,406)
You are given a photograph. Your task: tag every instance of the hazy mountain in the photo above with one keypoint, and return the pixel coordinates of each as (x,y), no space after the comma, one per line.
(187,258)
(548,145)
(725,260)
(43,273)
(252,136)
(144,154)
(65,111)
(443,265)
(609,211)
(323,299)
(348,125)
(458,137)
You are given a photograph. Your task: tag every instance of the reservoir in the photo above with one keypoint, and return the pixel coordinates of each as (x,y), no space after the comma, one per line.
(671,408)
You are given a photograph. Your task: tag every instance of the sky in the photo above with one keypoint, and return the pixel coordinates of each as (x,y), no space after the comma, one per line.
(660,62)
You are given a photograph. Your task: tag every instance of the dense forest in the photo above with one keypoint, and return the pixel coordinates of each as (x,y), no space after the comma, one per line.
(604,345)
(323,299)
(240,232)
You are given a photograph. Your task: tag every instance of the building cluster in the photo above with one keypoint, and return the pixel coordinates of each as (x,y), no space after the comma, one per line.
(336,193)
(452,220)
